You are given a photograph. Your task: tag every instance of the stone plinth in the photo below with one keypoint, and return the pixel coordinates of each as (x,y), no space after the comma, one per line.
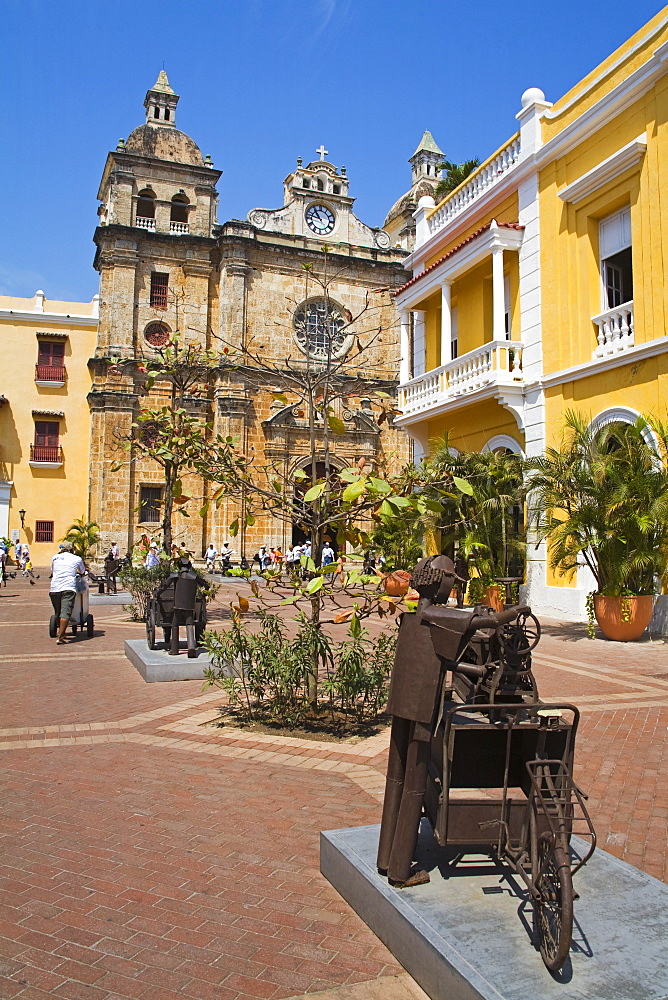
(158,665)
(468,934)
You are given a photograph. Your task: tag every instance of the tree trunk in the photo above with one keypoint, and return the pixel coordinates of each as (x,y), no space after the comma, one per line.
(312,682)
(168,510)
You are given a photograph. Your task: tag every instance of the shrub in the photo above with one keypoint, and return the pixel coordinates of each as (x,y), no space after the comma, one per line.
(141,583)
(270,670)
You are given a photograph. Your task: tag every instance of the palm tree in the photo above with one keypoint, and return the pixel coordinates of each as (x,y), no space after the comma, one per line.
(454,175)
(84,536)
(603,497)
(484,525)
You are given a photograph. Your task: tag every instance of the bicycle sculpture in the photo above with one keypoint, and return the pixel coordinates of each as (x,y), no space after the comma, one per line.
(485,729)
(175,603)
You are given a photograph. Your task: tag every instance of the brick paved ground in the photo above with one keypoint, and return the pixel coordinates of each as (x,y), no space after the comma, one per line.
(147,856)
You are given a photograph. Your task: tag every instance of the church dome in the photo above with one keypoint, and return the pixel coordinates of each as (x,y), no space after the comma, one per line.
(411,198)
(164,144)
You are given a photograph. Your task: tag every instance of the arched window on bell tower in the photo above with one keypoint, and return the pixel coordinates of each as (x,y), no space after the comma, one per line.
(178,218)
(145,209)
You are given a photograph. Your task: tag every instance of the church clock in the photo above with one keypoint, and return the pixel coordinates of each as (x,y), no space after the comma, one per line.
(319,219)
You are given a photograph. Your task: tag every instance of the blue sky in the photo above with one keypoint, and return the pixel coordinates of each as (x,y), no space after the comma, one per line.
(262,82)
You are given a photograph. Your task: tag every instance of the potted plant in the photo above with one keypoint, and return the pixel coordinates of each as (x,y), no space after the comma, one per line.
(602,500)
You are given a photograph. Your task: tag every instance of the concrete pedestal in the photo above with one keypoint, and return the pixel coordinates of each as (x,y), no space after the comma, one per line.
(468,934)
(122,597)
(158,665)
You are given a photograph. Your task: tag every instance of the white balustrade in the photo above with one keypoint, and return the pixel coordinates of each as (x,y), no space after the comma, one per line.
(142,223)
(615,330)
(179,227)
(480,181)
(496,363)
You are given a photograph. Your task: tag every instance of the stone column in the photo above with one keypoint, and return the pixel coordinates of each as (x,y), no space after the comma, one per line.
(233,305)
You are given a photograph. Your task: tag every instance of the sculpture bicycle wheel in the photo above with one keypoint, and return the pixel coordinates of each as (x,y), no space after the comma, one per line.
(520,637)
(553,909)
(150,626)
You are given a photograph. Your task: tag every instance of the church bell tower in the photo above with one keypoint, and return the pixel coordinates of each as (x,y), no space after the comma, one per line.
(155,254)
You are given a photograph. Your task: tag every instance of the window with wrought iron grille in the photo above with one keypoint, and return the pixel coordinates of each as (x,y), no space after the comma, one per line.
(320,330)
(159,290)
(43,531)
(150,502)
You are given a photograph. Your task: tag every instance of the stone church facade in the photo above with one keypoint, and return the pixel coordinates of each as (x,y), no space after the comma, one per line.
(166,264)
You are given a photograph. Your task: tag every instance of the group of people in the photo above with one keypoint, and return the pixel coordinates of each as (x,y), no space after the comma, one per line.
(212,554)
(22,560)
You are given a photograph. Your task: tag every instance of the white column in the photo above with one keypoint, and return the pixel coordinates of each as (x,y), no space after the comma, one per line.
(5,496)
(498,298)
(446,323)
(404,347)
(419,344)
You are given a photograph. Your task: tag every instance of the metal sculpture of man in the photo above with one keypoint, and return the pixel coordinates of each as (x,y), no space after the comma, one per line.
(413,703)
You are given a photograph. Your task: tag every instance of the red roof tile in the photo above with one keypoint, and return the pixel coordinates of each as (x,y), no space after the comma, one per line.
(483,229)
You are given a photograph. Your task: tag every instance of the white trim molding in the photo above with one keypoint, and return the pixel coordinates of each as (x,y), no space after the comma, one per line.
(459,261)
(638,353)
(605,171)
(503,441)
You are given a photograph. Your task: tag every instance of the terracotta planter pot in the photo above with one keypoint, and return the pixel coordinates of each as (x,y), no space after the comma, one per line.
(397,584)
(494,598)
(610,613)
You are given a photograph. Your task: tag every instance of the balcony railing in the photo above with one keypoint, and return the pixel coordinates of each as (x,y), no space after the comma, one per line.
(615,330)
(46,453)
(179,227)
(496,363)
(145,223)
(53,374)
(485,177)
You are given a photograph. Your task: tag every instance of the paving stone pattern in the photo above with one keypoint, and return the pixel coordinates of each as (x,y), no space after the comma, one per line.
(147,855)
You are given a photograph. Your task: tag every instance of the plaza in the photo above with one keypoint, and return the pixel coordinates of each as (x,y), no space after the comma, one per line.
(146,854)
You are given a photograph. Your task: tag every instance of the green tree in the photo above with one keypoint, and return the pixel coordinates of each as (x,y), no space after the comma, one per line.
(324,500)
(174,434)
(602,497)
(454,175)
(482,519)
(84,536)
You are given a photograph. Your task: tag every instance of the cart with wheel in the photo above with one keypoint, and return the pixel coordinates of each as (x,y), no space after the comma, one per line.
(81,618)
(501,780)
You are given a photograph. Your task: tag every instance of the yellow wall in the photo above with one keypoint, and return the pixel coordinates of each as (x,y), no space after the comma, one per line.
(571,285)
(61,494)
(471,427)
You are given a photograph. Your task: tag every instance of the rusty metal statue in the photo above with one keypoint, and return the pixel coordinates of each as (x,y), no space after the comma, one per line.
(413,703)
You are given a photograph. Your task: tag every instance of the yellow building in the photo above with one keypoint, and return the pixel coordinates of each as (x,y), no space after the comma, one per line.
(539,284)
(44,418)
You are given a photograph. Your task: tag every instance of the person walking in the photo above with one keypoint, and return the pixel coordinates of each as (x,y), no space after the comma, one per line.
(65,568)
(327,556)
(18,550)
(25,555)
(3,566)
(210,557)
(152,557)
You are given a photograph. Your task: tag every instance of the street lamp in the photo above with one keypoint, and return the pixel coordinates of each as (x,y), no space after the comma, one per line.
(22,515)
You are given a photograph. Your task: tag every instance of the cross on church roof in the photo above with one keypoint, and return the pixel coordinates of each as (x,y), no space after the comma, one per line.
(323,152)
